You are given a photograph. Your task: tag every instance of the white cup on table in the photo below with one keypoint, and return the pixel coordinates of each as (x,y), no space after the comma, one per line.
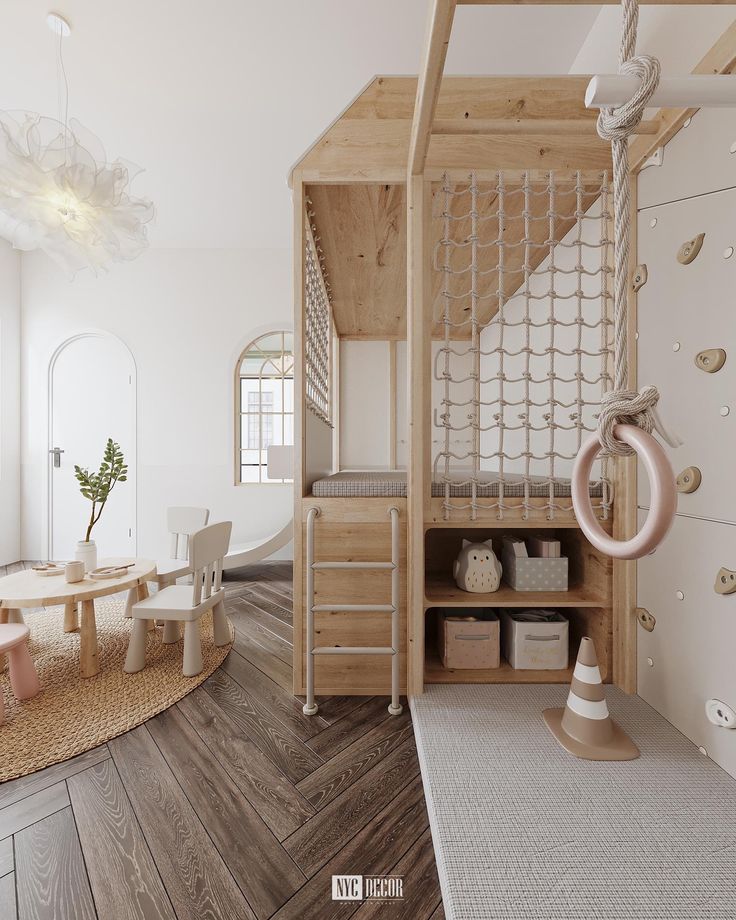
(74,571)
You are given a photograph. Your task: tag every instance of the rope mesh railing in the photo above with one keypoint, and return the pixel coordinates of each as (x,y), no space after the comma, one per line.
(318,321)
(524,274)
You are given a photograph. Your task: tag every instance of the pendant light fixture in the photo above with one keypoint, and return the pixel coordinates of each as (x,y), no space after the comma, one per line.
(59,192)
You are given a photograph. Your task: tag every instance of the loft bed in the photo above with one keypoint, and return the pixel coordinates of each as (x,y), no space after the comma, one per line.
(484,270)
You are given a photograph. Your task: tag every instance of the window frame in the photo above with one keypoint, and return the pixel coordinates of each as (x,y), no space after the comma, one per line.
(242,415)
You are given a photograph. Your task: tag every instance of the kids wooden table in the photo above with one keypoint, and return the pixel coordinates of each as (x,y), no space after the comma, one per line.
(29,589)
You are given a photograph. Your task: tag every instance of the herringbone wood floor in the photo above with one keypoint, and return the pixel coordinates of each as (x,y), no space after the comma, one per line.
(232,804)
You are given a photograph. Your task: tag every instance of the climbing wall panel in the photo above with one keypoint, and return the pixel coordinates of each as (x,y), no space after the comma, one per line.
(683,310)
(685,307)
(691,648)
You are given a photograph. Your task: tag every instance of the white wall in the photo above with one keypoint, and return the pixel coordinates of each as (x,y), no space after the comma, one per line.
(9,404)
(365,396)
(185,315)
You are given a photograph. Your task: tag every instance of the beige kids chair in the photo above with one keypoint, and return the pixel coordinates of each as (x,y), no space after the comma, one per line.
(181,524)
(185,604)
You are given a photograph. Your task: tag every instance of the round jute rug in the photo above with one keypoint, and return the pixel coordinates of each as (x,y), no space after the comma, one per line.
(71,714)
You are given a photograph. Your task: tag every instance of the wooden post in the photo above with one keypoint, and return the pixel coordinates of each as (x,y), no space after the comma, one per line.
(430,79)
(419,326)
(392,404)
(625,506)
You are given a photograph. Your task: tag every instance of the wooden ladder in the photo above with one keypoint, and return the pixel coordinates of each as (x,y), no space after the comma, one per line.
(395,707)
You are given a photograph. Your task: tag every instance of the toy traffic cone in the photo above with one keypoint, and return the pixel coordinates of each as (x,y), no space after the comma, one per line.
(584,727)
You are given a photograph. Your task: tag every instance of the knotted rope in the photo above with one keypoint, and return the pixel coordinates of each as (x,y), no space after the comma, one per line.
(623,405)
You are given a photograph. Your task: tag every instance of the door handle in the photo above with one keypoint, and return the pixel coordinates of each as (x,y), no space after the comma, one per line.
(57,452)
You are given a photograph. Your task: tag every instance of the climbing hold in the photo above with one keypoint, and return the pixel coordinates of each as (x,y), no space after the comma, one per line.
(640,277)
(689,480)
(728,252)
(653,223)
(689,250)
(725,582)
(710,360)
(676,346)
(725,410)
(646,619)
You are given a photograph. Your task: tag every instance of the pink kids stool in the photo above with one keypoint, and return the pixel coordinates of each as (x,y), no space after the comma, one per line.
(23,677)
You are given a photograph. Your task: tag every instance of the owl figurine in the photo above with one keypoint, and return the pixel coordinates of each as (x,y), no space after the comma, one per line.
(477,569)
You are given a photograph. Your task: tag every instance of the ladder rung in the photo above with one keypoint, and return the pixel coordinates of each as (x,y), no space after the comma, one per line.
(353,565)
(353,608)
(352,650)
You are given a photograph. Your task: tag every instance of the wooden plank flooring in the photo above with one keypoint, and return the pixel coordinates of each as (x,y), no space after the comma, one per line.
(231,805)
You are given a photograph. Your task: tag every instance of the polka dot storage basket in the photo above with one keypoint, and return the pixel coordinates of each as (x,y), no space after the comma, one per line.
(531,573)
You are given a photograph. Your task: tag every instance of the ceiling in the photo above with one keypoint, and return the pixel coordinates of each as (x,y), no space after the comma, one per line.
(217,100)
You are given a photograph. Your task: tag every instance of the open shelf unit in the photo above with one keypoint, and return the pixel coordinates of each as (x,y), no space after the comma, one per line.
(587,604)
(436,673)
(441,591)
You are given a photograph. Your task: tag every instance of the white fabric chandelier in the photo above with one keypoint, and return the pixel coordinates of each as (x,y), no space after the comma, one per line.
(59,193)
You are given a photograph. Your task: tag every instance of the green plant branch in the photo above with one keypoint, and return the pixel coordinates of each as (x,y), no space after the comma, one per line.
(96,487)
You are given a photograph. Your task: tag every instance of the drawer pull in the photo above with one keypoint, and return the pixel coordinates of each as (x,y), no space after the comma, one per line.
(474,638)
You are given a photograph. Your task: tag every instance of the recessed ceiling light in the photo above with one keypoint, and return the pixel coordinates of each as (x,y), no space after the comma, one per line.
(58,24)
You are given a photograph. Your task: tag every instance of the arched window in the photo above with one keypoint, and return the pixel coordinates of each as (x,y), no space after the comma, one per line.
(265,388)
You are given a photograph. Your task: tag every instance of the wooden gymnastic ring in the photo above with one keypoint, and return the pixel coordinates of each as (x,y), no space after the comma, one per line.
(663,502)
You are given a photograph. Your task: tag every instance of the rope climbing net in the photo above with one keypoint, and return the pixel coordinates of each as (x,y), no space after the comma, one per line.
(318,326)
(523,311)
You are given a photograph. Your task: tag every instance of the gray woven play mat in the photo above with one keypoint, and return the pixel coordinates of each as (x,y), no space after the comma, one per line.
(524,831)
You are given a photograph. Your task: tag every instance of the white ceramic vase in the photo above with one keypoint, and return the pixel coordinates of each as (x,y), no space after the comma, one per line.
(86,552)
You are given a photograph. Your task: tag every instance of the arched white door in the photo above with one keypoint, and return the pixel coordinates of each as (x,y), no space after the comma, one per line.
(92,397)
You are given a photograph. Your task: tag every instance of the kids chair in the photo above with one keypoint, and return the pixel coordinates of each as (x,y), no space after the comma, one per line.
(23,677)
(185,604)
(181,523)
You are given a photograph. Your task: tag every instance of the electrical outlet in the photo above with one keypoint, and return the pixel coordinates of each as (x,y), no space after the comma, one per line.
(720,714)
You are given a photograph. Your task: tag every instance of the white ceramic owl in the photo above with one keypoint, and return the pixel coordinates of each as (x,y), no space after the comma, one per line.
(477,569)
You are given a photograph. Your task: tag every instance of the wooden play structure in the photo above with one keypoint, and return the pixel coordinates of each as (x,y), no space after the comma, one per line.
(471,219)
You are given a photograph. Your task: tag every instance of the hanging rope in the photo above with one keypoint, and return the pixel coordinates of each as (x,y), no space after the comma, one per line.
(623,405)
